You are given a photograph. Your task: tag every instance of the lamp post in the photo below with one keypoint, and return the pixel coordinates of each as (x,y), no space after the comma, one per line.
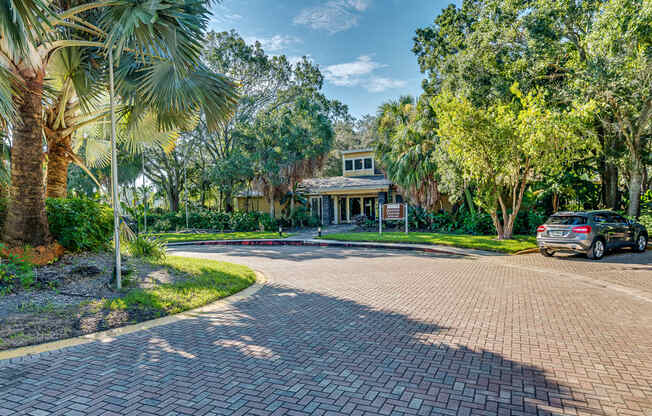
(114,177)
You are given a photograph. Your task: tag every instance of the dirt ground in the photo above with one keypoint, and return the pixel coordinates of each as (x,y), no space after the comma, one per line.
(70,300)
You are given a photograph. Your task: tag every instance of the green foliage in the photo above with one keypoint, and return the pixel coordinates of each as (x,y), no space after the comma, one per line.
(80,224)
(237,235)
(145,247)
(465,222)
(204,219)
(15,272)
(503,147)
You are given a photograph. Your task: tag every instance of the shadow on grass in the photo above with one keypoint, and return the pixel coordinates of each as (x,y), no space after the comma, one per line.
(305,351)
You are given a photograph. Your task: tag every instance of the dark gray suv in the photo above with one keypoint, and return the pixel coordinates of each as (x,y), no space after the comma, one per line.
(592,232)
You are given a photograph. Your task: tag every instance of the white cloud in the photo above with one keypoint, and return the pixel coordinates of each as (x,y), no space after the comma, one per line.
(275,43)
(333,16)
(351,73)
(380,84)
(359,5)
(360,73)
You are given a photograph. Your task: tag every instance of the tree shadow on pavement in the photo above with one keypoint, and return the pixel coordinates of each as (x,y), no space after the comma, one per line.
(289,349)
(305,253)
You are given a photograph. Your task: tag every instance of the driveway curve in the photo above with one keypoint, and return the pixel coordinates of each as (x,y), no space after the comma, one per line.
(366,332)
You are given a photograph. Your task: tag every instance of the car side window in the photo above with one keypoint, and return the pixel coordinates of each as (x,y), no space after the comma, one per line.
(600,219)
(617,219)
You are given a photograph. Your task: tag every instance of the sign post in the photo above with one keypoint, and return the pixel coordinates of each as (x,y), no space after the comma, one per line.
(380,217)
(406,218)
(394,212)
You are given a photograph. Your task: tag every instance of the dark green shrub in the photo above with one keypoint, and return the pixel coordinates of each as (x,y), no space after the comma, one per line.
(479,223)
(147,248)
(15,272)
(80,224)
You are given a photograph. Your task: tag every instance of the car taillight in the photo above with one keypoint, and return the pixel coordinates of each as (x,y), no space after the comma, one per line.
(541,228)
(584,229)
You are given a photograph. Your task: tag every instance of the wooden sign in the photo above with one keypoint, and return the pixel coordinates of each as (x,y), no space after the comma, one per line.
(393,211)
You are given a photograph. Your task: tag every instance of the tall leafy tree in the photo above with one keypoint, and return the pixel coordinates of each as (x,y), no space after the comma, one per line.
(407,148)
(291,143)
(504,147)
(156,45)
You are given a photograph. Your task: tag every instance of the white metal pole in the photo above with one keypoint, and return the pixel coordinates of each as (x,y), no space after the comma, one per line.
(144,193)
(114,178)
(406,218)
(185,191)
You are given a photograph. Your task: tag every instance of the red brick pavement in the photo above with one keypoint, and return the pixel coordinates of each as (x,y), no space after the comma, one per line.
(362,332)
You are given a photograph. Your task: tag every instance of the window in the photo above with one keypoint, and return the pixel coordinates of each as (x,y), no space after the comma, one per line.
(600,219)
(367,163)
(348,165)
(566,220)
(358,164)
(617,219)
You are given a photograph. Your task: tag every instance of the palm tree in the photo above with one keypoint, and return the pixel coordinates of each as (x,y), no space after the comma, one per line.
(159,71)
(406,149)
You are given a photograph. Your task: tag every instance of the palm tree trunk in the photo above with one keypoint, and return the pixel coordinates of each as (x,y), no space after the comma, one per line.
(58,161)
(27,221)
(635,182)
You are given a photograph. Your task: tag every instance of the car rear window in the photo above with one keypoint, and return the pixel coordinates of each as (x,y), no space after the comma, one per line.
(566,220)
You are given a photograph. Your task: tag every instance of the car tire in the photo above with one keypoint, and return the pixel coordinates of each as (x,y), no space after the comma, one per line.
(546,253)
(641,243)
(597,250)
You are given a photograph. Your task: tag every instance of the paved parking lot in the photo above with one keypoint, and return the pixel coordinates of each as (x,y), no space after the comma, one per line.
(362,332)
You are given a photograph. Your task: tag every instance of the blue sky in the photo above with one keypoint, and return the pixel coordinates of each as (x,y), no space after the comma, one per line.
(363,47)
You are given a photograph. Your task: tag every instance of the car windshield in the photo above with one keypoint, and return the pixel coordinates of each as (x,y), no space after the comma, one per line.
(566,220)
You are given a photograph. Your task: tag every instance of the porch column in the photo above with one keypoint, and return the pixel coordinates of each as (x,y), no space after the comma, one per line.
(348,209)
(336,209)
(361,205)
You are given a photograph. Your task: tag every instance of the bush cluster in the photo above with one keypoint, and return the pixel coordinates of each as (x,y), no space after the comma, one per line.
(205,219)
(15,272)
(460,222)
(145,247)
(80,224)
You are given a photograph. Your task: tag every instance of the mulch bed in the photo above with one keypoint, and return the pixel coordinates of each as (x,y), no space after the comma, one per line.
(70,298)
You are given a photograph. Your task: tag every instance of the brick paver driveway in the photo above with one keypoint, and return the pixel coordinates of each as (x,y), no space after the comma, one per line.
(357,332)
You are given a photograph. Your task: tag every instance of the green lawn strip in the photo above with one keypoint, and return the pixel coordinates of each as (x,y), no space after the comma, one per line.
(208,281)
(480,242)
(185,237)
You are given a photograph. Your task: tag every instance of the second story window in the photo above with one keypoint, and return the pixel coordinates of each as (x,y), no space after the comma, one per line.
(348,165)
(367,163)
(358,164)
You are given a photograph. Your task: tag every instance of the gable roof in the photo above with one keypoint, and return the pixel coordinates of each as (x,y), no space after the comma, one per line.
(344,183)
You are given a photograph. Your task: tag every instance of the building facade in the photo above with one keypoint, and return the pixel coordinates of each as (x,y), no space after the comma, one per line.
(338,199)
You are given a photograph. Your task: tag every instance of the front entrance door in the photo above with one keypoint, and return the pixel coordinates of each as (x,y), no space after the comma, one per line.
(356,209)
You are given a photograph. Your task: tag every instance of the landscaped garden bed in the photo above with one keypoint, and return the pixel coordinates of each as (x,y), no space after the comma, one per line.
(479,242)
(77,295)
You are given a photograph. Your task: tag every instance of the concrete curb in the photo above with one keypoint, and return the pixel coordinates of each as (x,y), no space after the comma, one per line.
(32,351)
(347,244)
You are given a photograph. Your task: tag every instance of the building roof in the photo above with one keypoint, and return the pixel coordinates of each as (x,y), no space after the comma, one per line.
(345,152)
(344,183)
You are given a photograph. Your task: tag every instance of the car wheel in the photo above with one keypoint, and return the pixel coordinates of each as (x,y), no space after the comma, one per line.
(641,243)
(596,252)
(546,253)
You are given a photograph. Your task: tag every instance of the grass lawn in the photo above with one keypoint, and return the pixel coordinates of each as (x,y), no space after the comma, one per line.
(206,281)
(151,289)
(184,237)
(480,242)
